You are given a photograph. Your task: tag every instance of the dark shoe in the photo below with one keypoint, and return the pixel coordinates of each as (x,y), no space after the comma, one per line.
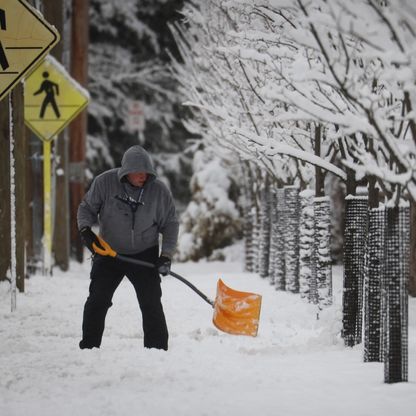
(85,345)
(158,347)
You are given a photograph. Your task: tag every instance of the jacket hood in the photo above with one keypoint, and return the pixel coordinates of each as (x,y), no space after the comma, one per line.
(136,159)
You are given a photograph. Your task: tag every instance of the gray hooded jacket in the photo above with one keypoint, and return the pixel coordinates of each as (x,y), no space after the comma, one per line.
(131,218)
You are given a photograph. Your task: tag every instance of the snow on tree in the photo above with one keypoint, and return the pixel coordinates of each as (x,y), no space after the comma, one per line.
(207,72)
(292,238)
(280,236)
(322,251)
(128,61)
(211,220)
(294,87)
(356,77)
(306,249)
(265,227)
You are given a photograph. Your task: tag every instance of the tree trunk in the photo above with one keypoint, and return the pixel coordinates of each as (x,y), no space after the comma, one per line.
(319,174)
(373,296)
(264,245)
(412,276)
(292,238)
(396,268)
(356,213)
(322,249)
(307,280)
(274,235)
(280,269)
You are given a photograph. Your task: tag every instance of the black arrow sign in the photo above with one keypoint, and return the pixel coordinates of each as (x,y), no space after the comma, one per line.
(3,59)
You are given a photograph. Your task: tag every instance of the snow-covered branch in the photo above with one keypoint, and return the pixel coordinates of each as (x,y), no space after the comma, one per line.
(274,68)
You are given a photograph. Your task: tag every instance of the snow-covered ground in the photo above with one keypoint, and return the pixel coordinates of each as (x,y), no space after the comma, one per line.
(297,365)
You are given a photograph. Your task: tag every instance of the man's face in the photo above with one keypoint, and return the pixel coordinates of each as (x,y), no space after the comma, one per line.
(137,178)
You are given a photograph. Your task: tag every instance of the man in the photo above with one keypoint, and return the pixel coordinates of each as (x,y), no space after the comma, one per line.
(132,207)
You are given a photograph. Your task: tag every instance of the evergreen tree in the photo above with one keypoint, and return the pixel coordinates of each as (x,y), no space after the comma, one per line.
(130,45)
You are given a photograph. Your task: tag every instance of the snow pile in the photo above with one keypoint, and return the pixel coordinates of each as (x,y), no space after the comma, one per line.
(296,366)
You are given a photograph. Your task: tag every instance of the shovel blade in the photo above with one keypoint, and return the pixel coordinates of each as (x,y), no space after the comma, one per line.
(235,312)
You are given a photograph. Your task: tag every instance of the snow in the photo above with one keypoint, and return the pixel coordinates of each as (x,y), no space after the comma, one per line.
(272,149)
(297,365)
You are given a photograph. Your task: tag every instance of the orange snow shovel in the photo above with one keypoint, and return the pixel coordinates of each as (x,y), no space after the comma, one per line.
(235,312)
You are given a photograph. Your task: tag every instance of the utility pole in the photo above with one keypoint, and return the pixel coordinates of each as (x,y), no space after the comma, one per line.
(78,128)
(53,10)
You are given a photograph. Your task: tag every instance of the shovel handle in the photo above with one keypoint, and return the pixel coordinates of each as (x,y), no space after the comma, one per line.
(195,289)
(175,275)
(134,261)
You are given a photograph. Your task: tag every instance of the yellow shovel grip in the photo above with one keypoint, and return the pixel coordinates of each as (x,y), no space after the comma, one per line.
(106,250)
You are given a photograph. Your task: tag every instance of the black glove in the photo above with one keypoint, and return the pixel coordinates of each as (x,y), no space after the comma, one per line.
(163,264)
(88,237)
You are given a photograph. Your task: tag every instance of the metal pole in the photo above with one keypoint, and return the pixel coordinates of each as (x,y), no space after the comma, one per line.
(47,212)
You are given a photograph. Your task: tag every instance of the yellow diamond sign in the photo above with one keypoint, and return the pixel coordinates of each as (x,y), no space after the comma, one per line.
(52,99)
(25,39)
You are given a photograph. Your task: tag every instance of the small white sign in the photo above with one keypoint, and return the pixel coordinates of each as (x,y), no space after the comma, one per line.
(136,119)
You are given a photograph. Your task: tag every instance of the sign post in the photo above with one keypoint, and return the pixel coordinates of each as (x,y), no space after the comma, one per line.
(25,39)
(47,211)
(52,100)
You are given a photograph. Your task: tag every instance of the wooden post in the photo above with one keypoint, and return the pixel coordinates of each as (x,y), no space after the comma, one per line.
(78,128)
(4,189)
(20,157)
(53,10)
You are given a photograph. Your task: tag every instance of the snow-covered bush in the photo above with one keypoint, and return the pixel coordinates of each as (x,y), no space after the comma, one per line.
(212,219)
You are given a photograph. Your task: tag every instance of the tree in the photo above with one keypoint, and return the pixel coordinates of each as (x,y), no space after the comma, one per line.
(129,61)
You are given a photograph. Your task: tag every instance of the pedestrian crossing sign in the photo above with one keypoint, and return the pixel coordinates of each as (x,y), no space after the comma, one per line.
(52,99)
(25,39)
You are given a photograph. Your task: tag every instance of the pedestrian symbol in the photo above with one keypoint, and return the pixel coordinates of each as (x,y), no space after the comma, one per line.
(25,39)
(49,88)
(52,99)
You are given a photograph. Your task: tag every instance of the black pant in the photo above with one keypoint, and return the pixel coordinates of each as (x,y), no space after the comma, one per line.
(106,275)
